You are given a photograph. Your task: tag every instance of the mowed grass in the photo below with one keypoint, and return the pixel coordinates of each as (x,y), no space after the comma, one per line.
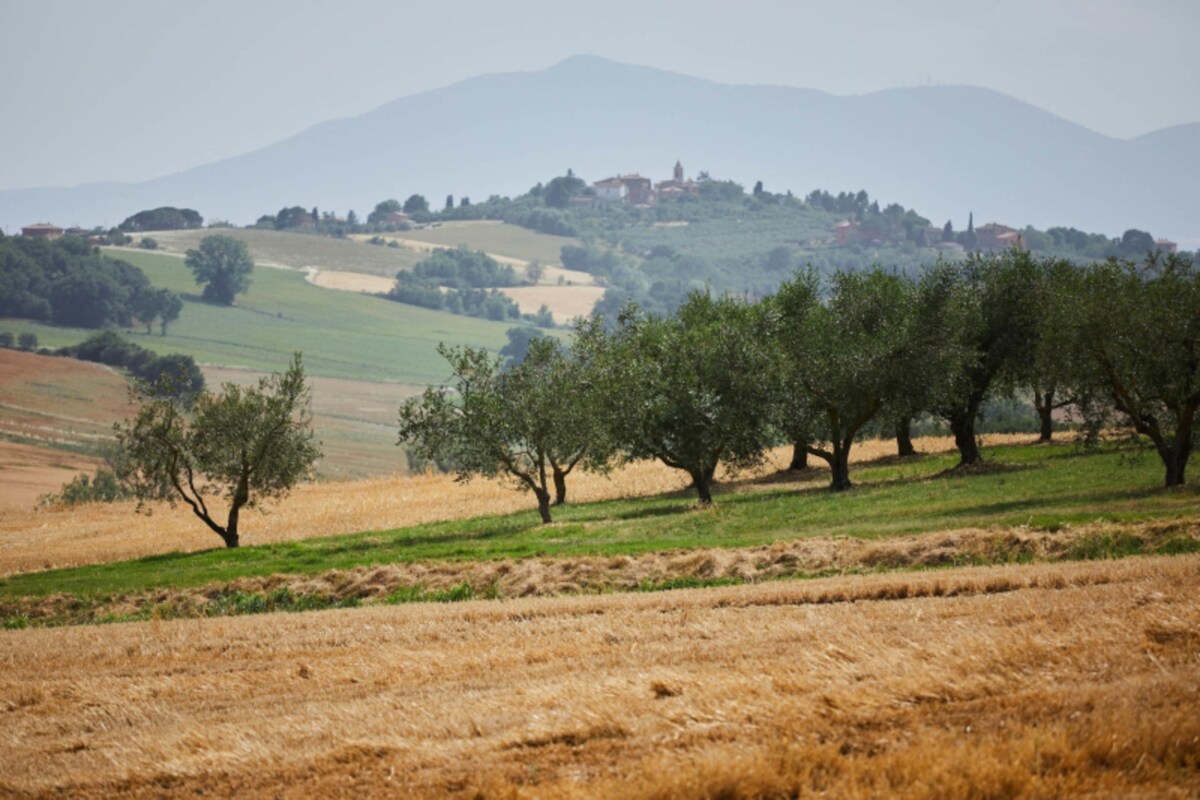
(341,334)
(299,250)
(1030,486)
(511,241)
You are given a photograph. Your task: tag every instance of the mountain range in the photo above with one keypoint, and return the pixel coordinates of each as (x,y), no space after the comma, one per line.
(943,150)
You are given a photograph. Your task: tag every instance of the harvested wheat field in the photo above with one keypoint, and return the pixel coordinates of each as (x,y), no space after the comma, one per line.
(349,281)
(64,537)
(565,302)
(1042,681)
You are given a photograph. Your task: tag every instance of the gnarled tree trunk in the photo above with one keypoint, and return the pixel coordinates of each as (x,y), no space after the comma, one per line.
(1043,402)
(839,465)
(560,486)
(799,456)
(904,445)
(543,500)
(962,425)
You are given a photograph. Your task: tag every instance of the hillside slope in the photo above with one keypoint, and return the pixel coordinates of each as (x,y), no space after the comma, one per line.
(945,150)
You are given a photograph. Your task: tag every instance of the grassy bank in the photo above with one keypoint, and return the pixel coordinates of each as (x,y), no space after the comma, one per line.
(1051,491)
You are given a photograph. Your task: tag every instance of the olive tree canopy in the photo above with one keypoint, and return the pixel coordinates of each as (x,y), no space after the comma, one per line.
(244,445)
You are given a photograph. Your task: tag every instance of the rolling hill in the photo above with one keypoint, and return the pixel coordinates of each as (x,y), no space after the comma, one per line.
(945,150)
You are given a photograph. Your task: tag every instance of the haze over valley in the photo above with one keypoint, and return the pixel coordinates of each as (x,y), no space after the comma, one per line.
(945,150)
(556,400)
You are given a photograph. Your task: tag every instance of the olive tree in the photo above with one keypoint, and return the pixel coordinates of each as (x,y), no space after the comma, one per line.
(691,390)
(860,354)
(244,445)
(1048,371)
(994,322)
(1137,339)
(533,423)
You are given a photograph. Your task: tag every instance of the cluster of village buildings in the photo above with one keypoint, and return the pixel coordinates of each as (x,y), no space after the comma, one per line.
(638,191)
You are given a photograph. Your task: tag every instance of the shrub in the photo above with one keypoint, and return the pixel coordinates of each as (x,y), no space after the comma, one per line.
(27,341)
(7,339)
(148,243)
(103,487)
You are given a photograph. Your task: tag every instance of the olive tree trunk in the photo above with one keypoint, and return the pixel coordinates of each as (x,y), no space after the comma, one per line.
(962,425)
(904,445)
(799,456)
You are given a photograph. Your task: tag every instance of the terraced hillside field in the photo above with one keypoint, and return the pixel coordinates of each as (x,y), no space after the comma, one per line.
(56,417)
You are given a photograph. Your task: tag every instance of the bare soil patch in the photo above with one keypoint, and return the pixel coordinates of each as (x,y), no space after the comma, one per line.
(1047,681)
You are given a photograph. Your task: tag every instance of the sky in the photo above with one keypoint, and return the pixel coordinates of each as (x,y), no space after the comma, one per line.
(130,90)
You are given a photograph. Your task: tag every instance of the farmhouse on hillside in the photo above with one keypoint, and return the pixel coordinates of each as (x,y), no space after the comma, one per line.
(994,236)
(42,230)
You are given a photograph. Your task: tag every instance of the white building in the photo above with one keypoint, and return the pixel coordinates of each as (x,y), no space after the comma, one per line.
(611,190)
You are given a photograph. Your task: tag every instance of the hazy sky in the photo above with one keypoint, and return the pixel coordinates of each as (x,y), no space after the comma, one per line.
(133,89)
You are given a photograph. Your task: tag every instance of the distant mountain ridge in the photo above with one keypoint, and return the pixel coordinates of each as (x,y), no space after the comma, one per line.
(942,150)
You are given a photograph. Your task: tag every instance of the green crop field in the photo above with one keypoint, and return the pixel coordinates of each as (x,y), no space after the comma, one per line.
(299,250)
(341,334)
(497,238)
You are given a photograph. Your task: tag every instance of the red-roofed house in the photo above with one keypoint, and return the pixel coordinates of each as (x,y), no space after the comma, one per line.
(994,236)
(42,230)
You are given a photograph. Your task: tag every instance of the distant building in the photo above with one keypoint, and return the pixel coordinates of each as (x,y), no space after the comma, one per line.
(1166,245)
(677,186)
(846,231)
(994,236)
(610,190)
(394,218)
(638,190)
(42,230)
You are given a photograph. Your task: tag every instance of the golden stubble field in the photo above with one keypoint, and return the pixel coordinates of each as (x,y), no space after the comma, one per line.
(1033,681)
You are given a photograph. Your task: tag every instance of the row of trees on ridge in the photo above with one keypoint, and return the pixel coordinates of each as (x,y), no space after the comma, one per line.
(824,361)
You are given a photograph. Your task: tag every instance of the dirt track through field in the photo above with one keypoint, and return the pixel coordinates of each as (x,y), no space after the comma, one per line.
(1047,681)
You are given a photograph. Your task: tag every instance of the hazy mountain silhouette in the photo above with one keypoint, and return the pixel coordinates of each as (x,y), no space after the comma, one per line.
(943,150)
